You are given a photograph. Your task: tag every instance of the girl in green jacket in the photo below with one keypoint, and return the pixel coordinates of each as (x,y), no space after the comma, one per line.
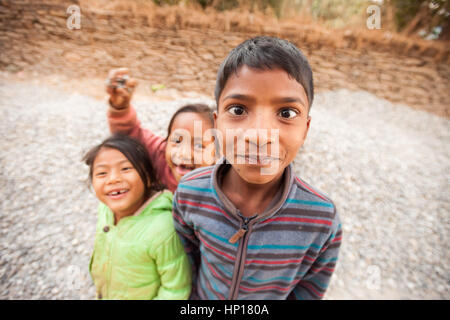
(137,253)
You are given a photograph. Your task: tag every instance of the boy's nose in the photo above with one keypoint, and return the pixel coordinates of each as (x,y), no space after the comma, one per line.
(262,131)
(262,119)
(257,137)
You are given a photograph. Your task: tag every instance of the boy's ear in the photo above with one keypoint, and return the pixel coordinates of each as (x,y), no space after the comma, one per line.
(308,122)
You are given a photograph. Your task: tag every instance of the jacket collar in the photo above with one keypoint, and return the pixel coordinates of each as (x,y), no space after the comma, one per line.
(222,166)
(143,208)
(146,203)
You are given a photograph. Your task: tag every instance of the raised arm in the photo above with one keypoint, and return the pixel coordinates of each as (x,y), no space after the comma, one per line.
(122,117)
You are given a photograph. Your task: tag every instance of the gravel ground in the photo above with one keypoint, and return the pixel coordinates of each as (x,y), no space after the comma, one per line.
(386,167)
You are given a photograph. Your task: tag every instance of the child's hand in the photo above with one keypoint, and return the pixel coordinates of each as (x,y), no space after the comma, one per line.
(120,87)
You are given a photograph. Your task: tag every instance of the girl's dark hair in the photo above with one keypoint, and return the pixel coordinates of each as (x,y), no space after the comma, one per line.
(199,108)
(135,152)
(267,53)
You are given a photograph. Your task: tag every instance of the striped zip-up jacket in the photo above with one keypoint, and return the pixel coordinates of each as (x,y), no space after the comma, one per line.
(287,252)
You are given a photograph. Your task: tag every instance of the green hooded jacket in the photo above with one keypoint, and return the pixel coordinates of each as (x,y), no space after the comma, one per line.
(141,257)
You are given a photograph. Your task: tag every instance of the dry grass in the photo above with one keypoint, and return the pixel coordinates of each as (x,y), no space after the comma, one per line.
(300,26)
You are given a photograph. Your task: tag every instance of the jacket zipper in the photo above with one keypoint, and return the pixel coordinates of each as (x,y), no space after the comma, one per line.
(240,261)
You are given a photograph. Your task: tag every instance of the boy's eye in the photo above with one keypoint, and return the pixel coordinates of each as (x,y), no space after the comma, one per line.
(288,113)
(236,110)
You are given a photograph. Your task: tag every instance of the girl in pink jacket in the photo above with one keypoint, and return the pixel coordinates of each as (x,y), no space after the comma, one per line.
(189,142)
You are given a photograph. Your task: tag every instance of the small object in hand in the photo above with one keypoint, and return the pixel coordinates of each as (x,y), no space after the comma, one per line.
(122,82)
(118,82)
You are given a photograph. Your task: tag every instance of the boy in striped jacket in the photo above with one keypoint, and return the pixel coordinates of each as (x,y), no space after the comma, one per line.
(252,229)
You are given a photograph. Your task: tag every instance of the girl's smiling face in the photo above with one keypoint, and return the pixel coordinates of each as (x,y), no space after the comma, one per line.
(117,183)
(187,148)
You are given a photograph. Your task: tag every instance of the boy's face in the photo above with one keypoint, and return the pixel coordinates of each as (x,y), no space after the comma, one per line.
(254,106)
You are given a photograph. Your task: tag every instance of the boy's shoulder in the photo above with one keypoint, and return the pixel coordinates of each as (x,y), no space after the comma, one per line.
(304,189)
(198,177)
(308,197)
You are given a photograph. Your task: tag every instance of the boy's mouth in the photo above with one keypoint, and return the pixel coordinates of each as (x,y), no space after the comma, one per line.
(117,193)
(255,159)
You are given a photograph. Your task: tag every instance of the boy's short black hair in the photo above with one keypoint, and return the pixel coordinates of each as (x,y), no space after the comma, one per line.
(135,152)
(267,53)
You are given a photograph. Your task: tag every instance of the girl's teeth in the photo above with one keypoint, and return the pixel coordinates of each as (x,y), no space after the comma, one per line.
(114,193)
